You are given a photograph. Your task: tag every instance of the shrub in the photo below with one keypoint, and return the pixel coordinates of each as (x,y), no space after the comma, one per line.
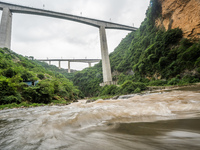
(197,63)
(191,54)
(172,36)
(163,62)
(137,90)
(46,91)
(10,72)
(42,93)
(7,89)
(157,83)
(27,76)
(129,87)
(109,90)
(174,81)
(10,99)
(189,79)
(30,94)
(4,63)
(40,76)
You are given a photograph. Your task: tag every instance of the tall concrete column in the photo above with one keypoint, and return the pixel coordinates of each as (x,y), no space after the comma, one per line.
(59,64)
(107,77)
(69,71)
(49,62)
(90,65)
(5,28)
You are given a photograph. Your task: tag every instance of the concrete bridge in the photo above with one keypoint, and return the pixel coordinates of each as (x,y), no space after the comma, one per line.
(6,26)
(89,61)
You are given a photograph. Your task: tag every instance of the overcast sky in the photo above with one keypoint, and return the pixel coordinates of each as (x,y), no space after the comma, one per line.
(44,37)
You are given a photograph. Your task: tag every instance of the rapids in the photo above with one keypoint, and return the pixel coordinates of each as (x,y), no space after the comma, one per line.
(165,120)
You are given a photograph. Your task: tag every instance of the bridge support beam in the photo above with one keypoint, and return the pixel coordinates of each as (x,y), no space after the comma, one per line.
(59,66)
(69,71)
(90,65)
(5,28)
(107,77)
(49,62)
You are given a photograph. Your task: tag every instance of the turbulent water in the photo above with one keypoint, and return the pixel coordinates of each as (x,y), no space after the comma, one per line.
(159,121)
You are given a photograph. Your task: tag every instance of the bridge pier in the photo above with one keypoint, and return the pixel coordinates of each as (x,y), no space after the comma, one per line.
(107,77)
(5,28)
(59,66)
(69,71)
(49,62)
(90,65)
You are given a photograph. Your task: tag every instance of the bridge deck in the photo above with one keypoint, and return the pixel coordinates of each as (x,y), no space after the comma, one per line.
(73,60)
(89,21)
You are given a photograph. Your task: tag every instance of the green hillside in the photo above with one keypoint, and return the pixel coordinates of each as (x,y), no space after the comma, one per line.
(146,57)
(17,71)
(150,55)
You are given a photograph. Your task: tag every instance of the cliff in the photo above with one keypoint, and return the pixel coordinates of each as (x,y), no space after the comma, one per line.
(184,14)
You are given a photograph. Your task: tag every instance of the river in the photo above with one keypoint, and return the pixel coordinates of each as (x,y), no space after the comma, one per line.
(167,120)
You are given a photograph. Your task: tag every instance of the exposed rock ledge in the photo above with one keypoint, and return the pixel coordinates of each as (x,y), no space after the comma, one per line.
(184,14)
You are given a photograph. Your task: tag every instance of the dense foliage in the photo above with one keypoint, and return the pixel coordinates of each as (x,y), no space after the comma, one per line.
(150,55)
(147,57)
(16,71)
(89,79)
(59,72)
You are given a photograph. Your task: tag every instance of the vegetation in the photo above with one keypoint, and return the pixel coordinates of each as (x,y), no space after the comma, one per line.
(149,56)
(127,87)
(16,71)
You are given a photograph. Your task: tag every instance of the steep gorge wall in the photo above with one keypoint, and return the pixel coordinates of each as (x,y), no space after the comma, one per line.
(184,14)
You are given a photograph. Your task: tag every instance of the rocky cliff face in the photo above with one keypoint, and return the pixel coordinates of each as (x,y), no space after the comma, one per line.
(184,14)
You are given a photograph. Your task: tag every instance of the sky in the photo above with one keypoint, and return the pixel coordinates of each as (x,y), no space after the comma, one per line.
(45,37)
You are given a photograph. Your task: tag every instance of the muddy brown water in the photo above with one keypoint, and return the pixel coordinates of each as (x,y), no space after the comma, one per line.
(158,121)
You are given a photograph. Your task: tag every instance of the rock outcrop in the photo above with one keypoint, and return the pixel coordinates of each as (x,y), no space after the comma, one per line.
(184,14)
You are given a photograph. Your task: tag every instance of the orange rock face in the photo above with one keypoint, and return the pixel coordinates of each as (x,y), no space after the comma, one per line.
(184,14)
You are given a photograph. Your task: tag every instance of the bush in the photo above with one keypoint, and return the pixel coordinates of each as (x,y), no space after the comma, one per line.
(109,90)
(28,76)
(189,79)
(10,72)
(46,91)
(191,54)
(157,83)
(174,81)
(30,94)
(172,36)
(40,76)
(130,87)
(42,93)
(163,62)
(10,99)
(137,90)
(7,89)
(197,63)
(4,64)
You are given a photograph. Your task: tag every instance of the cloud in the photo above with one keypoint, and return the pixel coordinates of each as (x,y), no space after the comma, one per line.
(44,37)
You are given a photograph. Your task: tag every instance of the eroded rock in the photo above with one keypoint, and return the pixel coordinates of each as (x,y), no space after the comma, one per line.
(184,14)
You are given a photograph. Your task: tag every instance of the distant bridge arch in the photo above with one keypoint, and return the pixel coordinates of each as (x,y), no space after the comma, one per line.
(6,26)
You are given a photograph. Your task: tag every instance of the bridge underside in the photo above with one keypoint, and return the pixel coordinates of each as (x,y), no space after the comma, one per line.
(6,25)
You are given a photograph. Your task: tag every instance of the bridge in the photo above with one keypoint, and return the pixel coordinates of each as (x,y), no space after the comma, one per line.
(6,26)
(89,61)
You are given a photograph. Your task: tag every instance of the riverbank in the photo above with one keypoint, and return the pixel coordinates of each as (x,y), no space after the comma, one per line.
(150,89)
(31,105)
(174,87)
